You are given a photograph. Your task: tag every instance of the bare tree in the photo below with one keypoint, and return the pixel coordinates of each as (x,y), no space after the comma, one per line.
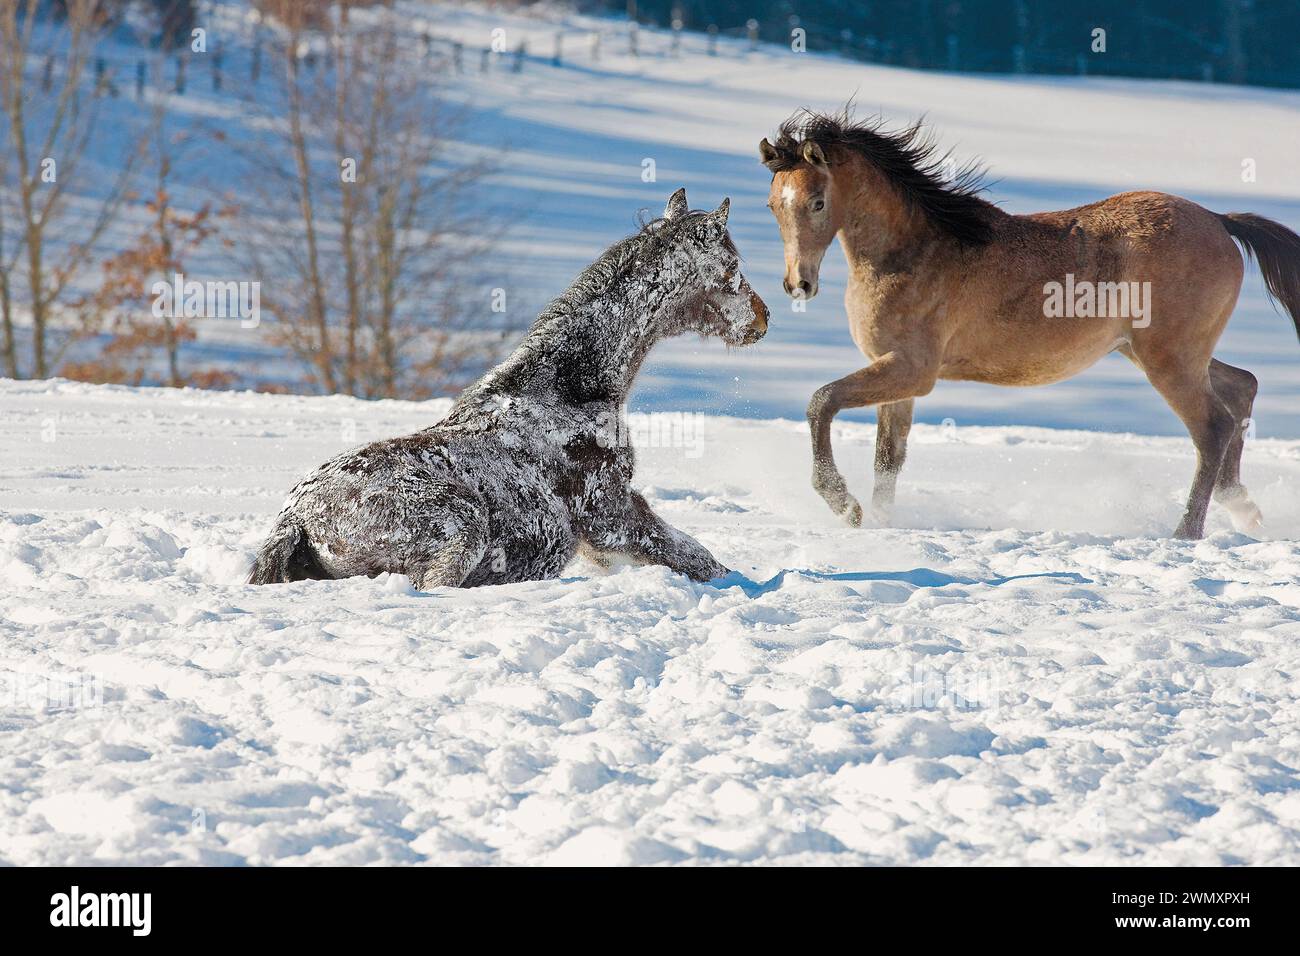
(8,343)
(121,304)
(363,235)
(50,106)
(134,338)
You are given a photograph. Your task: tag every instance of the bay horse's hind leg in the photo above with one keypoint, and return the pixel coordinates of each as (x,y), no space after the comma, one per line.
(1193,399)
(893,423)
(1236,388)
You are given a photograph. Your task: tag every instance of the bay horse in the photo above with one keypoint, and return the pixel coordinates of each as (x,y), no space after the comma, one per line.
(945,285)
(527,468)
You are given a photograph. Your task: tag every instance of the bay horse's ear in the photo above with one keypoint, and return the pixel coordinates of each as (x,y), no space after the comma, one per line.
(767,152)
(723,210)
(813,154)
(676,204)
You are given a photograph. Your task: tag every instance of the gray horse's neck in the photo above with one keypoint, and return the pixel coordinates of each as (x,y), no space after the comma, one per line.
(618,334)
(591,354)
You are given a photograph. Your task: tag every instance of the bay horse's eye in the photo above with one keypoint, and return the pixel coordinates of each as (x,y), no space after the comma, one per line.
(818,205)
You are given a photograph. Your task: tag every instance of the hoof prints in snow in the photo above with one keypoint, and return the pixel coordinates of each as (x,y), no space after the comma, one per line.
(949,695)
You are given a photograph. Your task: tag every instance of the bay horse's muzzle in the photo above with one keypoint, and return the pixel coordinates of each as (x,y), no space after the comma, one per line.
(803,289)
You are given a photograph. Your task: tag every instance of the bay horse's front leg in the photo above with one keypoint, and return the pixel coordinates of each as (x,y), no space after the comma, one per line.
(893,423)
(629,527)
(889,379)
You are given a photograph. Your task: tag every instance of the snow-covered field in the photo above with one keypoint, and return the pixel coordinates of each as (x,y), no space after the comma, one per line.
(1039,676)
(1024,669)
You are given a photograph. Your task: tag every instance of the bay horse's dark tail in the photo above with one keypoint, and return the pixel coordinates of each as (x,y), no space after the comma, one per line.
(1277,249)
(286,556)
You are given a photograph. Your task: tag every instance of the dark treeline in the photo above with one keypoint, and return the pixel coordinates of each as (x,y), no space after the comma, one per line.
(1235,41)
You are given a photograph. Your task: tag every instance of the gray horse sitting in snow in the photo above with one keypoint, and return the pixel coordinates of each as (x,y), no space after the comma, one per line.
(522,473)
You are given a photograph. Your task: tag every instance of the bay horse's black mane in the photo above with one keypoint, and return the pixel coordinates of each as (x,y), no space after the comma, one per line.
(909,158)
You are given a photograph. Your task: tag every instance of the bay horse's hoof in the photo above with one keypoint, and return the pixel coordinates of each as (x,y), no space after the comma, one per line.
(830,485)
(1250,524)
(852,515)
(1245,516)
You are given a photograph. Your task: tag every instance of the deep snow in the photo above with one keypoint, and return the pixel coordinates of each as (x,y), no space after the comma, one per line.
(986,690)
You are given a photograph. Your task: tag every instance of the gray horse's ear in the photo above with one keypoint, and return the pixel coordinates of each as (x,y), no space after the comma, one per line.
(767,152)
(676,204)
(813,154)
(720,214)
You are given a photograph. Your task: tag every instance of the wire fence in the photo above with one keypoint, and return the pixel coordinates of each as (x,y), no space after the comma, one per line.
(114,73)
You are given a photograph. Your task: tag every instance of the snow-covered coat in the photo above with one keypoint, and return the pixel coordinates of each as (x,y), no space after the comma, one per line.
(529,466)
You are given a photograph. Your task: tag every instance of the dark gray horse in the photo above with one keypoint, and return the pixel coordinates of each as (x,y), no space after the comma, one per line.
(526,468)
